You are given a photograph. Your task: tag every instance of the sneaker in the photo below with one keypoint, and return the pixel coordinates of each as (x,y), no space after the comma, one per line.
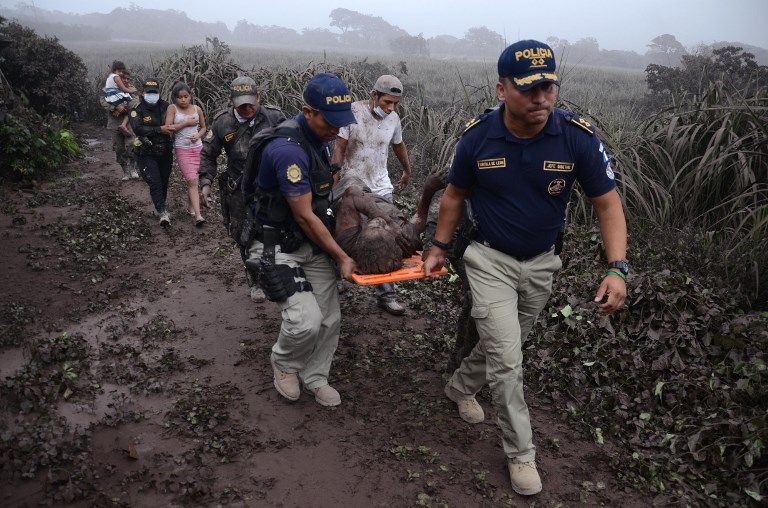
(469,409)
(524,478)
(257,294)
(134,174)
(165,218)
(199,222)
(326,396)
(286,384)
(125,177)
(392,306)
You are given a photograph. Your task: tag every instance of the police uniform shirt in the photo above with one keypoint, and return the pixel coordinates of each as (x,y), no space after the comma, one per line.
(285,164)
(520,187)
(224,134)
(146,120)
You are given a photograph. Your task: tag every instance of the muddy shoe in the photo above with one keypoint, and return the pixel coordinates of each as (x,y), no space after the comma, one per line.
(257,294)
(199,222)
(524,477)
(165,218)
(286,384)
(392,306)
(134,174)
(469,409)
(326,396)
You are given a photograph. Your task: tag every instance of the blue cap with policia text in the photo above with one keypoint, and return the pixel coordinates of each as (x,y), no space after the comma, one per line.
(527,64)
(328,94)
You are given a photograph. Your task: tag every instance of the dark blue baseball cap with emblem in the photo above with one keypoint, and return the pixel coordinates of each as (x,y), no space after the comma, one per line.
(328,94)
(527,64)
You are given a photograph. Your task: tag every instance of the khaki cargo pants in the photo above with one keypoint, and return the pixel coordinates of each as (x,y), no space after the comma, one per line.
(309,333)
(507,296)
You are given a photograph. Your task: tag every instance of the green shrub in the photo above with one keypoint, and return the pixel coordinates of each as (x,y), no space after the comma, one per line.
(30,147)
(52,78)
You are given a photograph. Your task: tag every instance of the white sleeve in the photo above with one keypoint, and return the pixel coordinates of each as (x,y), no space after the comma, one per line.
(344,132)
(397,135)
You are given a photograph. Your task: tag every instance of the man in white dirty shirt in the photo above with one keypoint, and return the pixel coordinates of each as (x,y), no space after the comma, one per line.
(362,149)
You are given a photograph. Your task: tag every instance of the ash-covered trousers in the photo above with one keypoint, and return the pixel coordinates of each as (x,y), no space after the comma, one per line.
(507,295)
(309,333)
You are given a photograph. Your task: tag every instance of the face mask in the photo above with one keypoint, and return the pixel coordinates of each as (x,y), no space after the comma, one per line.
(241,118)
(379,112)
(151,98)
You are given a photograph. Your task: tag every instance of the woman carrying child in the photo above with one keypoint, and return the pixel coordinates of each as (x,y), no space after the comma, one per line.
(189,121)
(117,93)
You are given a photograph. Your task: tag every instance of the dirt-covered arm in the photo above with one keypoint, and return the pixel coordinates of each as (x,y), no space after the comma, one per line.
(313,227)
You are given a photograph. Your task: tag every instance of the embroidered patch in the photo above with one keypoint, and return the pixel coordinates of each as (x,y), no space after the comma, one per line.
(558,166)
(134,114)
(556,187)
(228,137)
(147,119)
(293,173)
(609,171)
(500,162)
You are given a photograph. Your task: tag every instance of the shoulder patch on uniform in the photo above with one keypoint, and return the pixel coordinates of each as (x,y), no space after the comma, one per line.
(472,123)
(134,114)
(583,124)
(293,173)
(228,137)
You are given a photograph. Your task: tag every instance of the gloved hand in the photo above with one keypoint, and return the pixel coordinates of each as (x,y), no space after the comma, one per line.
(207,198)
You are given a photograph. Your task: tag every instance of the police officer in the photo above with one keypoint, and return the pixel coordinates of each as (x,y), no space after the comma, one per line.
(517,165)
(154,148)
(232,130)
(290,190)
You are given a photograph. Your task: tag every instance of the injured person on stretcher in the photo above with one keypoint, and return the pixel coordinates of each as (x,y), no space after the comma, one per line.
(374,232)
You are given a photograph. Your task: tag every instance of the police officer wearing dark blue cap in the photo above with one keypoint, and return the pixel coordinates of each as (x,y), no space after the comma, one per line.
(516,165)
(288,180)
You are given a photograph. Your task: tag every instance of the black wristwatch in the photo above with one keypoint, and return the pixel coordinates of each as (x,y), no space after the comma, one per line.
(621,266)
(440,245)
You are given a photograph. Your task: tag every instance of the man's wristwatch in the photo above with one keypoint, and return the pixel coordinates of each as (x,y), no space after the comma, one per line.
(440,245)
(621,266)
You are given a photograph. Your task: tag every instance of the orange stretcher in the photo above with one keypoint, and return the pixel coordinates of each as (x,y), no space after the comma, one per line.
(413,269)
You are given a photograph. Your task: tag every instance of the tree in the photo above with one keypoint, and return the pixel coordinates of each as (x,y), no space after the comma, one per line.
(483,40)
(666,49)
(410,45)
(731,65)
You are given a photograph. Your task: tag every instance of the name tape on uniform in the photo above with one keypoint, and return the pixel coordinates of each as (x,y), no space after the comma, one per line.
(500,162)
(558,166)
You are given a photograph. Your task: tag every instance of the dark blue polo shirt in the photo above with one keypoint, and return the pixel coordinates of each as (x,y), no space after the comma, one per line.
(520,187)
(285,164)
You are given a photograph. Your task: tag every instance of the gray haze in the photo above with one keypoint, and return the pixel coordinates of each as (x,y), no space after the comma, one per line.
(616,24)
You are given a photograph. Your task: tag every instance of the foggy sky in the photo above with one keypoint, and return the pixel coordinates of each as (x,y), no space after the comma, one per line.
(616,24)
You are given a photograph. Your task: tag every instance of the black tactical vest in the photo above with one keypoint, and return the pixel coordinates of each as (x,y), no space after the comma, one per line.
(270,207)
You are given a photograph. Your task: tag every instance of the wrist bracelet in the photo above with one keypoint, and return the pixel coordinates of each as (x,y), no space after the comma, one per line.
(618,274)
(441,245)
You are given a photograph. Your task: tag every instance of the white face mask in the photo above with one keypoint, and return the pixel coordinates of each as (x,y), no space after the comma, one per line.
(151,98)
(240,119)
(380,112)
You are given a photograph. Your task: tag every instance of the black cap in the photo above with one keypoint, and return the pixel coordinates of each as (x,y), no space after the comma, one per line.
(152,85)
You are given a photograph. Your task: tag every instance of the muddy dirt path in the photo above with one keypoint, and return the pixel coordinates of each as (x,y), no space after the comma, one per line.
(135,373)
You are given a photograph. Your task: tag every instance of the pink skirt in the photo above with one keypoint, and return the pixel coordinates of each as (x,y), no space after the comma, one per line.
(188,160)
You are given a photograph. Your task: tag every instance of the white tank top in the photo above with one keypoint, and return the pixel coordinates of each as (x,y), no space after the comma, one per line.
(181,138)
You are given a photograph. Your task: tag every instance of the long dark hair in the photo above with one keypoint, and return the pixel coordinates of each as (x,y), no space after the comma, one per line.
(179,87)
(118,65)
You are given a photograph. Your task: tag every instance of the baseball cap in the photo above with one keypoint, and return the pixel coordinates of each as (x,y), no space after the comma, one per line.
(528,63)
(389,85)
(151,85)
(328,94)
(243,91)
